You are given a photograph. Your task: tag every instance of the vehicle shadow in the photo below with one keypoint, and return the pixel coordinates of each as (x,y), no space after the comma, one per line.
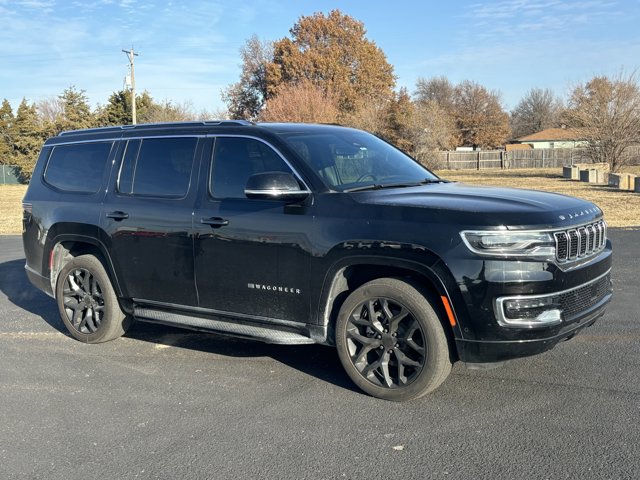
(314,360)
(19,291)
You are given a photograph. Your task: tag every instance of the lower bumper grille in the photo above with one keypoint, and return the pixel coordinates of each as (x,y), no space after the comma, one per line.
(575,302)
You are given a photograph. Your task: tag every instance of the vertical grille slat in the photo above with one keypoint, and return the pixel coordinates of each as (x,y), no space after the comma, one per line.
(562,246)
(580,242)
(574,243)
(582,246)
(591,235)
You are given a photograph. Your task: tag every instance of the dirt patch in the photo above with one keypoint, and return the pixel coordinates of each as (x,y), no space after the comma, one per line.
(621,208)
(11,209)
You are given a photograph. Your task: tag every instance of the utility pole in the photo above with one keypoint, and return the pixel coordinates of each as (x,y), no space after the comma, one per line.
(130,55)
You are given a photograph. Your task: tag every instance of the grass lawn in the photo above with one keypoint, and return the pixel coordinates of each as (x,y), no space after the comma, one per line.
(621,208)
(11,209)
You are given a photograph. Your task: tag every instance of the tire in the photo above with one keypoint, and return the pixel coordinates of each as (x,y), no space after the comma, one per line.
(391,342)
(87,302)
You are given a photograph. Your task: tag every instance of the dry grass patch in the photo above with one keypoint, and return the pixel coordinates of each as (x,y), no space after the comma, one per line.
(621,208)
(11,209)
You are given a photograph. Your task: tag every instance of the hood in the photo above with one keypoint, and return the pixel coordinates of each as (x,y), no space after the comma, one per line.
(478,205)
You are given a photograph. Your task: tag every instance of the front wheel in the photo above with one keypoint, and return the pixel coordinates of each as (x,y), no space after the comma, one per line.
(87,301)
(391,342)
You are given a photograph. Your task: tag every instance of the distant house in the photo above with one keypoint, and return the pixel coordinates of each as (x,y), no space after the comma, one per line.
(550,138)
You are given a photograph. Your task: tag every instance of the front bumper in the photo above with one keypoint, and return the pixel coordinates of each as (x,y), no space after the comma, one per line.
(478,351)
(506,318)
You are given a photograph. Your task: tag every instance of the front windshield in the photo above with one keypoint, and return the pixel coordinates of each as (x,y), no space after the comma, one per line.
(352,159)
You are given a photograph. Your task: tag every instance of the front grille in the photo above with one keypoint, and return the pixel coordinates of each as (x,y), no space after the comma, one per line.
(580,242)
(581,299)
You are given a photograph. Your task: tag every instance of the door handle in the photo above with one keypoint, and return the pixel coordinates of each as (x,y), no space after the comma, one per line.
(117,216)
(214,222)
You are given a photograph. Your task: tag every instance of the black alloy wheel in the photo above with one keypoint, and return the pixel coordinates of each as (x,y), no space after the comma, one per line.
(386,343)
(83,301)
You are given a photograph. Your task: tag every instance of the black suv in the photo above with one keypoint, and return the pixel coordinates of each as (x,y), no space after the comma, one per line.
(290,233)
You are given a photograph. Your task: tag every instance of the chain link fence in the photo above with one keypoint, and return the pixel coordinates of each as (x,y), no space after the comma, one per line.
(9,175)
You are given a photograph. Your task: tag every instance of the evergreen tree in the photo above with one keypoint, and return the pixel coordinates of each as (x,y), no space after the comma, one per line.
(28,137)
(118,109)
(76,112)
(6,134)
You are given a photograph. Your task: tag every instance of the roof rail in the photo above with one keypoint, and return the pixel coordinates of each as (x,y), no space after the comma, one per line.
(144,126)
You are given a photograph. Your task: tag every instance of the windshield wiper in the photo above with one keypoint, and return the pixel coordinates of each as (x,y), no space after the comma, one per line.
(428,181)
(378,186)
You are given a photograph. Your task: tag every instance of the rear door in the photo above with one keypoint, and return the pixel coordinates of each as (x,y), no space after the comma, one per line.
(147,217)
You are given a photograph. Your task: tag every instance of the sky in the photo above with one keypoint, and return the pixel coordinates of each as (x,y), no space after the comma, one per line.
(189,50)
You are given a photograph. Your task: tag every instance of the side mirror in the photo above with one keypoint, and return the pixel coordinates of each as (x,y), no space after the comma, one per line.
(275,186)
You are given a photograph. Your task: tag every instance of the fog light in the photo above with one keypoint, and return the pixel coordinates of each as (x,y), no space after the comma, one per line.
(531,312)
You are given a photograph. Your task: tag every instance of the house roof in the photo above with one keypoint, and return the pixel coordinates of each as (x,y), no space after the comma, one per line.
(517,146)
(553,135)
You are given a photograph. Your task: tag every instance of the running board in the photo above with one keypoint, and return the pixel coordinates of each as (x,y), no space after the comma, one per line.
(253,332)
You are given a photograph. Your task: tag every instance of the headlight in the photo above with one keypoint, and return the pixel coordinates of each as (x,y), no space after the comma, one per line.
(539,245)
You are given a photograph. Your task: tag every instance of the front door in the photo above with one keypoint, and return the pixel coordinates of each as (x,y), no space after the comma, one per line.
(251,256)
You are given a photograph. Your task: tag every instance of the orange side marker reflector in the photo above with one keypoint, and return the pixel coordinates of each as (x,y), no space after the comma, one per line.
(447,308)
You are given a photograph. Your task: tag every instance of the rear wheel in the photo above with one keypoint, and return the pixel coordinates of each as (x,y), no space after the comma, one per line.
(87,301)
(391,342)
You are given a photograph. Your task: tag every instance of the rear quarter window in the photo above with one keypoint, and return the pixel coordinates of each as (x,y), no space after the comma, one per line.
(78,168)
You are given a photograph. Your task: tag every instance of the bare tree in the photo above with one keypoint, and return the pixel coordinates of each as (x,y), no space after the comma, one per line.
(607,110)
(434,130)
(303,102)
(246,97)
(166,111)
(437,89)
(539,109)
(50,109)
(480,117)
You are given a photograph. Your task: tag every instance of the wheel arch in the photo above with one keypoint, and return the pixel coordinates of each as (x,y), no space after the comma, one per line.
(64,246)
(432,281)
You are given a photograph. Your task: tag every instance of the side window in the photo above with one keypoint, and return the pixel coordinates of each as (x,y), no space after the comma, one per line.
(235,160)
(158,167)
(78,168)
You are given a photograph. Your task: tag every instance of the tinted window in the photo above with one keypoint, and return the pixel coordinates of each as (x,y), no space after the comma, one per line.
(159,167)
(347,159)
(125,179)
(78,168)
(235,160)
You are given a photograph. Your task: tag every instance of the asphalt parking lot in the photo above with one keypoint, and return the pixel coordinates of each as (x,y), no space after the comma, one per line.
(168,403)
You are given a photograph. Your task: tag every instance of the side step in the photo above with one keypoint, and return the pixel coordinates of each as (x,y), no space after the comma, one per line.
(253,332)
